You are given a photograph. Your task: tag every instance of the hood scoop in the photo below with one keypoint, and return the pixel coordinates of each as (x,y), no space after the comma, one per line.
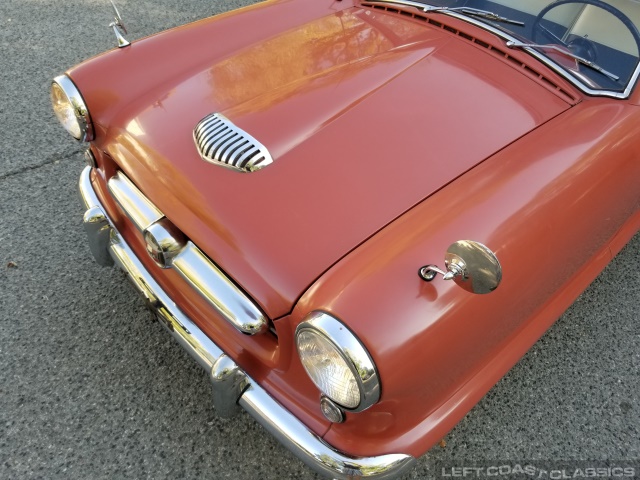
(221,142)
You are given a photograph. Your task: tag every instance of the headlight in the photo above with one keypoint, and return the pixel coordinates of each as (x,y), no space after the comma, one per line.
(337,362)
(70,109)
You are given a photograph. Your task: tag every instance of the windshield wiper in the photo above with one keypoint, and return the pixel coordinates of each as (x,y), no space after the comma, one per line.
(474,12)
(565,51)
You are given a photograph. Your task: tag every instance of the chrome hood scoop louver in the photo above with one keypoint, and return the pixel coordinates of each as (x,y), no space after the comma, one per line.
(220,142)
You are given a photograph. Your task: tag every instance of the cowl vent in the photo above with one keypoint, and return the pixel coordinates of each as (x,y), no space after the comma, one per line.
(542,79)
(220,142)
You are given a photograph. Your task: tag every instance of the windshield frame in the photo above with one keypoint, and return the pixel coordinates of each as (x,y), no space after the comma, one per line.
(507,37)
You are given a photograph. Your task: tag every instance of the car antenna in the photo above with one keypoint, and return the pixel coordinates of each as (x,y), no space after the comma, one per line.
(118,27)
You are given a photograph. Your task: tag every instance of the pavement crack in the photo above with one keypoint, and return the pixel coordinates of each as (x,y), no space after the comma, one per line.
(50,160)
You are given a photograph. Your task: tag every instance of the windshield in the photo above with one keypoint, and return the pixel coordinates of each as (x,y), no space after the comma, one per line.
(595,43)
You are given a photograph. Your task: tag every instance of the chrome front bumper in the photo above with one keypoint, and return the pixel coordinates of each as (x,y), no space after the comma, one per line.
(232,386)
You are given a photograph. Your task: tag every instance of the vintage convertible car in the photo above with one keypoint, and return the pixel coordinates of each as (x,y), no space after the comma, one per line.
(413,193)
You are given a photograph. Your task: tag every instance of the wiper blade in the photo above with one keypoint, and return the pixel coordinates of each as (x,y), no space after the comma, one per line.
(474,12)
(564,51)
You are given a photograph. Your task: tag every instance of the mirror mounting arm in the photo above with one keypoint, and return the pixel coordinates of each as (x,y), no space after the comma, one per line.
(429,272)
(122,42)
(471,265)
(118,27)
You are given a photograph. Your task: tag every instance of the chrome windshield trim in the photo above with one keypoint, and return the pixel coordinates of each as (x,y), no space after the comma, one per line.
(133,203)
(242,389)
(534,53)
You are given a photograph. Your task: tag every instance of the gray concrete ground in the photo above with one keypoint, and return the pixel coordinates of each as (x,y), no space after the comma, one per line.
(82,396)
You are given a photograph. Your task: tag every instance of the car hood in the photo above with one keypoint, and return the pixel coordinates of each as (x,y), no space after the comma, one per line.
(365,113)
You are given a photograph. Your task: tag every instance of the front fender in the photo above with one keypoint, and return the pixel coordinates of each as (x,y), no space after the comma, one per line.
(548,206)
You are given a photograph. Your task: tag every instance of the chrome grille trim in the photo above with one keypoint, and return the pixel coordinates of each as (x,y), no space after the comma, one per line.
(204,277)
(198,271)
(220,142)
(133,203)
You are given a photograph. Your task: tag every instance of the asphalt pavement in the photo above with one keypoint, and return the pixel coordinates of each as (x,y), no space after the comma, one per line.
(91,387)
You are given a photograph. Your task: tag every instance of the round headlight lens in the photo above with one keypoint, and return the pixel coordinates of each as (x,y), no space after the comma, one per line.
(70,109)
(337,363)
(328,369)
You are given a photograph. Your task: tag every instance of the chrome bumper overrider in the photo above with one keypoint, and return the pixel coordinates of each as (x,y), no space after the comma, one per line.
(231,385)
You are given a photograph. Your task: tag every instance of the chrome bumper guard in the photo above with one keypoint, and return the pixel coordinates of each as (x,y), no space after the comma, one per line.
(231,385)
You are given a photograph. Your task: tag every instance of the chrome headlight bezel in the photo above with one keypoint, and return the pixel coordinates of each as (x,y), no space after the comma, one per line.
(82,129)
(352,351)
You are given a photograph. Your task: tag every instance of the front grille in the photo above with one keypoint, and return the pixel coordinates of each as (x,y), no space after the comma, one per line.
(220,142)
(198,271)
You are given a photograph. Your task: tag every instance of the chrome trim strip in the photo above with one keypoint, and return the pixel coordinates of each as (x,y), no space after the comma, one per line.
(209,281)
(133,203)
(87,194)
(534,53)
(242,389)
(221,142)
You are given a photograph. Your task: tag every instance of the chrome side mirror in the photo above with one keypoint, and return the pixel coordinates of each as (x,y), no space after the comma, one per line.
(118,27)
(470,264)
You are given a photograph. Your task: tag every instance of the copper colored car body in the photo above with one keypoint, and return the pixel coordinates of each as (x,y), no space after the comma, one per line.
(388,133)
